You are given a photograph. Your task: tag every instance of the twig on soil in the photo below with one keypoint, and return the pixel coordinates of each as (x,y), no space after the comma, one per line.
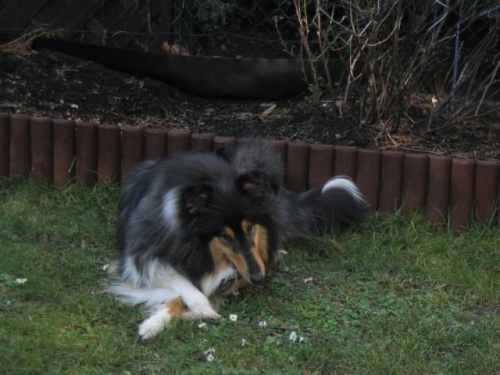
(23,43)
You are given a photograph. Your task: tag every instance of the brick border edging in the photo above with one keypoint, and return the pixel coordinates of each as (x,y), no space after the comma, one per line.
(55,151)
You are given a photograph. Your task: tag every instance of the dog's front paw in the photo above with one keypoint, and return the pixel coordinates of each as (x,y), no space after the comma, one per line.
(200,310)
(153,325)
(203,311)
(148,330)
(198,306)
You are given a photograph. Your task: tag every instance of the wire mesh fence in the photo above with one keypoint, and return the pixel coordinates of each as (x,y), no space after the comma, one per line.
(246,28)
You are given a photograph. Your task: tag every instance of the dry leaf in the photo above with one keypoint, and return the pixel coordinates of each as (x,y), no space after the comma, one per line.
(339,247)
(268,111)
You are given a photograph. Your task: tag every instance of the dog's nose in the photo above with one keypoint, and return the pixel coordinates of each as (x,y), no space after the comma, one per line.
(256,278)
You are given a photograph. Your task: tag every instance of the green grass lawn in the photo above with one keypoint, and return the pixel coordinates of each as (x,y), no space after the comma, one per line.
(395,296)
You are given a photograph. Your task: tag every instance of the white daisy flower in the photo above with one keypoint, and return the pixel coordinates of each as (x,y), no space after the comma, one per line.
(209,351)
(244,342)
(202,325)
(210,357)
(308,280)
(233,317)
(302,339)
(263,324)
(293,336)
(21,281)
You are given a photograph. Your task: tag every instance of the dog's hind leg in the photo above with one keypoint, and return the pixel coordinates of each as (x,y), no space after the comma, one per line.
(160,318)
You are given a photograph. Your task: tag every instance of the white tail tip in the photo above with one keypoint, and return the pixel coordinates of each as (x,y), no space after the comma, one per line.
(345,183)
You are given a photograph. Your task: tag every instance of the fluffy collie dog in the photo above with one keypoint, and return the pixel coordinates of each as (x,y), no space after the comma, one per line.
(197,227)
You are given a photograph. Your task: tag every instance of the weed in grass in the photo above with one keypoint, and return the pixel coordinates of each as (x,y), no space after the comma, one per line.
(395,296)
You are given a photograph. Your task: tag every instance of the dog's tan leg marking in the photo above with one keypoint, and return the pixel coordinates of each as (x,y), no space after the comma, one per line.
(259,250)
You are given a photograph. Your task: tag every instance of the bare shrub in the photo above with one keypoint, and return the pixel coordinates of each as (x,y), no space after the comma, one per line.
(393,50)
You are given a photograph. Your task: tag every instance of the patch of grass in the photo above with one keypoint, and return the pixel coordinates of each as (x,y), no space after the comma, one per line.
(395,296)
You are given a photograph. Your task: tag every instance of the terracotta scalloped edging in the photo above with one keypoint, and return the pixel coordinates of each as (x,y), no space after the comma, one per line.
(346,159)
(368,176)
(320,165)
(281,148)
(486,193)
(297,162)
(86,153)
(155,143)
(108,147)
(415,171)
(4,144)
(391,181)
(203,142)
(41,150)
(64,156)
(20,150)
(438,191)
(132,148)
(445,187)
(220,142)
(178,140)
(463,176)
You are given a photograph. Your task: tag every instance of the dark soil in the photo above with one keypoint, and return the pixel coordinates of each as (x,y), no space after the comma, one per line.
(54,85)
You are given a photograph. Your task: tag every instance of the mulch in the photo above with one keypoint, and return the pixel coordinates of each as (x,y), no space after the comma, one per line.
(55,85)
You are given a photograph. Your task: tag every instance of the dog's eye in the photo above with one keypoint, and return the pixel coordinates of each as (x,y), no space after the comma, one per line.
(226,238)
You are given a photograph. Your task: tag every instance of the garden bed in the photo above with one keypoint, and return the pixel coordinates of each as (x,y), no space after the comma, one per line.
(107,131)
(58,86)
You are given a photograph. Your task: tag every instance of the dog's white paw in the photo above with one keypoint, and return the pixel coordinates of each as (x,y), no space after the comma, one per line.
(153,325)
(199,306)
(203,311)
(148,330)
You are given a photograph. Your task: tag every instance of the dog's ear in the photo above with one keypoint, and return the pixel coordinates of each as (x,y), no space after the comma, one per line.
(196,198)
(253,184)
(227,152)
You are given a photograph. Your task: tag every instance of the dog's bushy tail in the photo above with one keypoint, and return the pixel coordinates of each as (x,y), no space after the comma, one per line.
(337,206)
